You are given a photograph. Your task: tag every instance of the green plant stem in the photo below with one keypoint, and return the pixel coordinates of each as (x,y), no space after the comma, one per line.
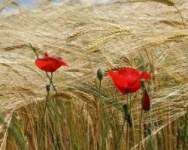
(102,116)
(51,81)
(43,117)
(45,107)
(119,137)
(127,113)
(152,128)
(140,128)
(48,92)
(34,50)
(132,119)
(100,89)
(127,139)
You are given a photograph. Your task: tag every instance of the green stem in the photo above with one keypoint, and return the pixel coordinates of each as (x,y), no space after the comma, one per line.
(127,139)
(142,82)
(51,81)
(54,103)
(132,120)
(102,116)
(150,132)
(45,107)
(140,127)
(128,118)
(34,50)
(119,137)
(100,89)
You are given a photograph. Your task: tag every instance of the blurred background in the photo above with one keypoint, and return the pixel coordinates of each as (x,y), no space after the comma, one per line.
(14,5)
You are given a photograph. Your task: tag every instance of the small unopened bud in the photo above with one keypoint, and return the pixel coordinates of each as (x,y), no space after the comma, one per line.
(48,88)
(146,101)
(127,114)
(126,110)
(100,74)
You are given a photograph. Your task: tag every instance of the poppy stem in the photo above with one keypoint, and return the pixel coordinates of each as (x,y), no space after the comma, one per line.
(100,88)
(34,50)
(45,108)
(150,131)
(119,137)
(128,123)
(128,118)
(47,97)
(55,103)
(142,82)
(51,81)
(102,116)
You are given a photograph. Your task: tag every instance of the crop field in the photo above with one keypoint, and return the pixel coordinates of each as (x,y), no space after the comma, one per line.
(94,98)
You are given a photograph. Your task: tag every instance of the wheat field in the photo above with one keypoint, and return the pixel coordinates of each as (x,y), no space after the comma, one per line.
(148,35)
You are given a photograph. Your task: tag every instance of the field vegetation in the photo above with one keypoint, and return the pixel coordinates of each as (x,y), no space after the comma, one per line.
(80,110)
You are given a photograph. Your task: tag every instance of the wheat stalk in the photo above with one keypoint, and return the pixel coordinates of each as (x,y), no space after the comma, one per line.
(7,3)
(174,22)
(166,2)
(113,34)
(177,36)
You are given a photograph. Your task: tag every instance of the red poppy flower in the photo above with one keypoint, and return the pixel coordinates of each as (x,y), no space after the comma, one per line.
(127,80)
(145,101)
(50,64)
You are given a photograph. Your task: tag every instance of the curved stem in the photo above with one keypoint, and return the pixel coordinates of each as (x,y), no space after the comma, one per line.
(34,50)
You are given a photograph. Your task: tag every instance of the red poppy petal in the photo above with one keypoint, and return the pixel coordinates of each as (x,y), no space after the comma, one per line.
(145,101)
(120,84)
(128,70)
(127,80)
(136,86)
(50,64)
(47,64)
(121,89)
(61,61)
(129,75)
(145,75)
(44,65)
(117,79)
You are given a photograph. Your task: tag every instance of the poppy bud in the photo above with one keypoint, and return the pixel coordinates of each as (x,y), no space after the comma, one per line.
(129,120)
(100,74)
(48,88)
(127,114)
(126,110)
(146,101)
